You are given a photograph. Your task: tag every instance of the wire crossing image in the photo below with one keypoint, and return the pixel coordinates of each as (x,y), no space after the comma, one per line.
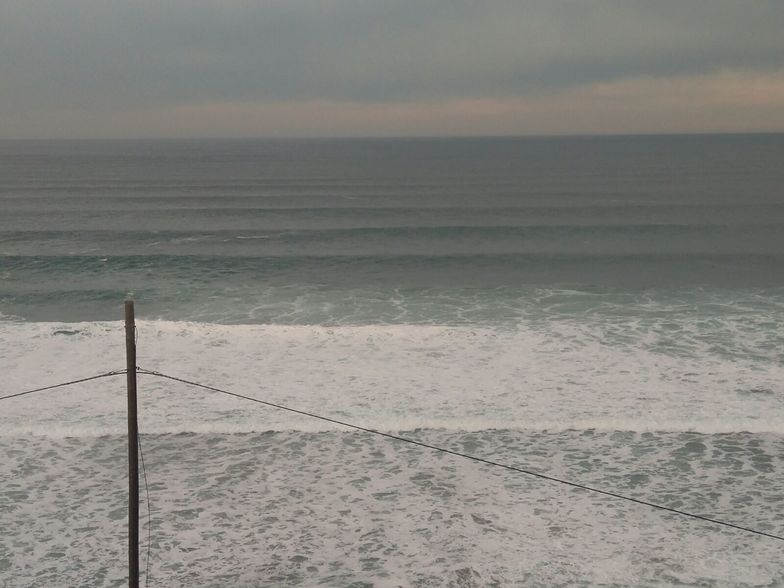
(466,456)
(477,459)
(63,384)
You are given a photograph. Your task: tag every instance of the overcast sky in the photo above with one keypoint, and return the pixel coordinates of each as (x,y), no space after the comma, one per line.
(194,68)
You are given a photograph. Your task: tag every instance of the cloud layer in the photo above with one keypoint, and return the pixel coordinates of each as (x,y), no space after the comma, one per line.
(357,67)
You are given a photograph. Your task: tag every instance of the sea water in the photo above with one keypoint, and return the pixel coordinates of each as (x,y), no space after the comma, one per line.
(606,310)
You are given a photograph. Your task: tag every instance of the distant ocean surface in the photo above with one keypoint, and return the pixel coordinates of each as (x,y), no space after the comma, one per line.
(609,310)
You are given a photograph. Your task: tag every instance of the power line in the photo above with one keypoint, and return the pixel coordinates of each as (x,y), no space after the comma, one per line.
(149,515)
(389,436)
(466,456)
(104,375)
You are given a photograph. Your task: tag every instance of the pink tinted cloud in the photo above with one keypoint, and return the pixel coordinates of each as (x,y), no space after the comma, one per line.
(729,101)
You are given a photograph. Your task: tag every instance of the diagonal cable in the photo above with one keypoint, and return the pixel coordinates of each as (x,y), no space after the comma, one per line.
(72,382)
(466,456)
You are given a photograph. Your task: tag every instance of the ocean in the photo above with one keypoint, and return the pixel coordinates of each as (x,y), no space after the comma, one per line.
(606,310)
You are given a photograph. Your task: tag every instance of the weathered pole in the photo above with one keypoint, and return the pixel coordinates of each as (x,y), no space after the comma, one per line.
(133,448)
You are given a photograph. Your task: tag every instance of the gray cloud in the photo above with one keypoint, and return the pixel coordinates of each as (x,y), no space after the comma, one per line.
(118,55)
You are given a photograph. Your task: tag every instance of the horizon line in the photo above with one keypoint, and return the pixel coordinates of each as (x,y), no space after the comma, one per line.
(396,137)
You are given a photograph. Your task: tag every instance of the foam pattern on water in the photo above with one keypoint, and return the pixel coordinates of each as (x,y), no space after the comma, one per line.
(349,509)
(556,375)
(245,495)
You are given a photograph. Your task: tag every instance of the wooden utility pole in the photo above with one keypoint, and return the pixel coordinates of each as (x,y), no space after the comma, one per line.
(133,448)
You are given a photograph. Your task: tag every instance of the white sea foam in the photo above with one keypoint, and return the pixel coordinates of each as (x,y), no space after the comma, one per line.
(247,495)
(556,376)
(290,509)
